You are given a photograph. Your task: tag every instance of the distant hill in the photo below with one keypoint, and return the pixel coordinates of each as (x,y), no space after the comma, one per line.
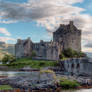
(89,54)
(6,49)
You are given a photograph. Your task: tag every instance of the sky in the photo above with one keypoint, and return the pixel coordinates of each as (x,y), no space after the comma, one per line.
(38,19)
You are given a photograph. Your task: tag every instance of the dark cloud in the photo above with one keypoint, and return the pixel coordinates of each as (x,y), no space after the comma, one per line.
(35,11)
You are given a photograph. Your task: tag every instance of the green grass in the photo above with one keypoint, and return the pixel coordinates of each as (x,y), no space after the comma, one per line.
(5,87)
(68,84)
(32,63)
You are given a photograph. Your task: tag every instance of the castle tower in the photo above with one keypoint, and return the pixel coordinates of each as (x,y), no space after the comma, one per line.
(68,36)
(23,48)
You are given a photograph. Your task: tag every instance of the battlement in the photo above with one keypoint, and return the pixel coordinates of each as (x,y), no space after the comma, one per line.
(66,29)
(65,25)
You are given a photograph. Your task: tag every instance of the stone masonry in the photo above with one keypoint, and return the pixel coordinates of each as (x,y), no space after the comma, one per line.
(78,66)
(66,36)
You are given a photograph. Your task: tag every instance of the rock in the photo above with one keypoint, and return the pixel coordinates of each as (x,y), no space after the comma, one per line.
(33,80)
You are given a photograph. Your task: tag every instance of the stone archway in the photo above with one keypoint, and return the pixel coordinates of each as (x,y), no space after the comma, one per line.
(78,66)
(72,66)
(72,69)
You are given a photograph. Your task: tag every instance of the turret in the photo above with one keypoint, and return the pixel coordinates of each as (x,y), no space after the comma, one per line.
(72,26)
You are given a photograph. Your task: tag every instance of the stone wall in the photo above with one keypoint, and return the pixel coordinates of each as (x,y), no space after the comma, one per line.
(46,50)
(41,49)
(81,66)
(52,53)
(23,48)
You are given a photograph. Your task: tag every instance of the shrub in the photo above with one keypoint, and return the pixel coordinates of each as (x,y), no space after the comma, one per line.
(33,54)
(68,84)
(5,59)
(11,58)
(5,87)
(41,63)
(8,58)
(61,56)
(47,71)
(70,53)
(81,54)
(50,72)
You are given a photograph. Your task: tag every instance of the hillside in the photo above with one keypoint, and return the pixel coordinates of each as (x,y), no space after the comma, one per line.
(89,54)
(6,49)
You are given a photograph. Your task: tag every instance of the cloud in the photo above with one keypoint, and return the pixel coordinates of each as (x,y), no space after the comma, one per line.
(49,14)
(37,9)
(89,45)
(6,39)
(4,31)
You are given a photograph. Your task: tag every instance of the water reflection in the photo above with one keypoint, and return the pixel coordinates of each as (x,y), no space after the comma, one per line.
(82,90)
(12,74)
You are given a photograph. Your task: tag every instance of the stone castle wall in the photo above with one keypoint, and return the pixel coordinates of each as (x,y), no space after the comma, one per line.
(66,36)
(23,48)
(79,66)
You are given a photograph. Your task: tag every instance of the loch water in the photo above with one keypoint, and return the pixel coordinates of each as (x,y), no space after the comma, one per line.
(82,90)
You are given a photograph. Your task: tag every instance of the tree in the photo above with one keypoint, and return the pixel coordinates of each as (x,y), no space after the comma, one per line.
(11,58)
(81,54)
(70,53)
(8,59)
(33,54)
(61,56)
(5,59)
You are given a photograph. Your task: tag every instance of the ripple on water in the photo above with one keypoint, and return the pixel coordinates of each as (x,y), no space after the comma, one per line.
(12,74)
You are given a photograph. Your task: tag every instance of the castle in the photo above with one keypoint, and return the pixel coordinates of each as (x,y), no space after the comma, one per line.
(66,36)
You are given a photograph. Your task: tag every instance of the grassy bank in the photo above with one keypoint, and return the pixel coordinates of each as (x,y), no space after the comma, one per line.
(5,87)
(20,63)
(68,84)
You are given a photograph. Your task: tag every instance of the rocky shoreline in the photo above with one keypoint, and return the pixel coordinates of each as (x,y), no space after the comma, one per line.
(30,81)
(45,81)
